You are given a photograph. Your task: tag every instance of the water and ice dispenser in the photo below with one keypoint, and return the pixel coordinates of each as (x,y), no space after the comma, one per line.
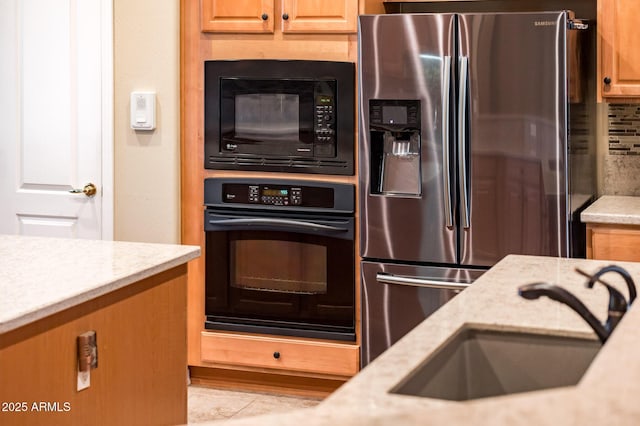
(394,127)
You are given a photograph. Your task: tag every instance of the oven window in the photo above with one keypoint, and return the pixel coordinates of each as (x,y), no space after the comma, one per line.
(278,265)
(267,116)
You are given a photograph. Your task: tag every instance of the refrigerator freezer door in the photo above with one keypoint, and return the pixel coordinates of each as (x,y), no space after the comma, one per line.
(406,194)
(515,135)
(396,298)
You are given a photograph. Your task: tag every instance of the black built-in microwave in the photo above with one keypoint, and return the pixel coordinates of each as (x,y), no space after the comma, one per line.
(279,115)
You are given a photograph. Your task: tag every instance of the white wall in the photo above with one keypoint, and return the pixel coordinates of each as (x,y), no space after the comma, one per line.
(147,164)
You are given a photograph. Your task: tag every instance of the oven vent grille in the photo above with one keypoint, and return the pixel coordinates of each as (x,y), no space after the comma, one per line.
(275,164)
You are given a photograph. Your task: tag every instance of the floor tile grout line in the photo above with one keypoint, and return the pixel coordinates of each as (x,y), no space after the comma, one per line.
(274,402)
(238,411)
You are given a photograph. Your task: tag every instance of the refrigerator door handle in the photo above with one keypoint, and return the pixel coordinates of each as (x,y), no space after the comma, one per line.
(462,138)
(385,278)
(446,92)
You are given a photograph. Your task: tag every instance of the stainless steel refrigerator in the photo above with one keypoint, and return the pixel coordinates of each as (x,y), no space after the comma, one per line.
(475,142)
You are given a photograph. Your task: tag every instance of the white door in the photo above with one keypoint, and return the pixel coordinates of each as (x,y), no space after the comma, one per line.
(56,117)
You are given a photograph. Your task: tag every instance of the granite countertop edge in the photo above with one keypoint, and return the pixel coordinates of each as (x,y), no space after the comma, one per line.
(41,276)
(613,210)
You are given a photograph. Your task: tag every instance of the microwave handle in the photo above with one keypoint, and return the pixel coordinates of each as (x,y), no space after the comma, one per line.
(277,224)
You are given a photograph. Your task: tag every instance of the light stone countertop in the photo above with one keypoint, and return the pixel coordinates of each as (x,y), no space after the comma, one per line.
(607,394)
(42,276)
(613,209)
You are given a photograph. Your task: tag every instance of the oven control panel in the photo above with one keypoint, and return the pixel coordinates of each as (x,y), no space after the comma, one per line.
(275,196)
(278,195)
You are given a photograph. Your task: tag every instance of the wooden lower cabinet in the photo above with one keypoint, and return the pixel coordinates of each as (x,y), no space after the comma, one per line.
(141,377)
(280,353)
(613,242)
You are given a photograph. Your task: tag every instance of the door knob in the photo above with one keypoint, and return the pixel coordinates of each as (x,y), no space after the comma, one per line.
(89,190)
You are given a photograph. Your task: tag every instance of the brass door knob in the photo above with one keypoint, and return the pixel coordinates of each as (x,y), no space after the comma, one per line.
(89,190)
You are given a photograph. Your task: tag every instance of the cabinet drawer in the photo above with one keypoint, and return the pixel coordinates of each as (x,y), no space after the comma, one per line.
(613,242)
(280,353)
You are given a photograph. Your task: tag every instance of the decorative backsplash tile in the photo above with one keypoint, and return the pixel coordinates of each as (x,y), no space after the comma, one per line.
(624,129)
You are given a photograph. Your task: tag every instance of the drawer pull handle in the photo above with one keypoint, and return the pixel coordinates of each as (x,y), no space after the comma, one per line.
(276,355)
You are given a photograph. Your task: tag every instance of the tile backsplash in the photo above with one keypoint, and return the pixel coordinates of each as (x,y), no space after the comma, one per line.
(624,129)
(621,167)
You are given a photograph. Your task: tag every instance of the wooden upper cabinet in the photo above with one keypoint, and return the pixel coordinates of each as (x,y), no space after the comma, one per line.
(319,16)
(237,16)
(293,16)
(619,53)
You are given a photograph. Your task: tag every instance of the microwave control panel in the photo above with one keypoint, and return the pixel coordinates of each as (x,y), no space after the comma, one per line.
(324,119)
(277,195)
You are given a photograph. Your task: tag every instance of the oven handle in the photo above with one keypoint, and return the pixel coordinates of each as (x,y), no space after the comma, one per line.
(281,223)
(420,282)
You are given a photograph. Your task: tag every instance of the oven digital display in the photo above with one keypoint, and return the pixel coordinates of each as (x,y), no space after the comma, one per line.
(275,192)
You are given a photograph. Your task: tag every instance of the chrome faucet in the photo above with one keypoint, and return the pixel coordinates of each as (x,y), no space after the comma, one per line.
(617,305)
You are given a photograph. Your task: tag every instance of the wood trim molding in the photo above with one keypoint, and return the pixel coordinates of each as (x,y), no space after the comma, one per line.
(260,381)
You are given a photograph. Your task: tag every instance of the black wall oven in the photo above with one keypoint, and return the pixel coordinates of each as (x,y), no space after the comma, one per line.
(280,257)
(277,115)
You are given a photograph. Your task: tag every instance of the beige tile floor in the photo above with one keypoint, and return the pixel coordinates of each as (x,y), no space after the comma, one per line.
(206,404)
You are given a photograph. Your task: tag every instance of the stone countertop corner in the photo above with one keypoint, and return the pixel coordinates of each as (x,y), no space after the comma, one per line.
(614,210)
(42,276)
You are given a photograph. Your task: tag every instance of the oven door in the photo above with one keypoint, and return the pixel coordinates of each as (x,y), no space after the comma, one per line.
(280,273)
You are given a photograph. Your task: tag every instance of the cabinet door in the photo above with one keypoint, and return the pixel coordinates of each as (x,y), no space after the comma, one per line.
(237,16)
(619,53)
(319,16)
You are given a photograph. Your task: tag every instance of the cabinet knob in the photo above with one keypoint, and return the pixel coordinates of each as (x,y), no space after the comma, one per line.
(276,355)
(607,80)
(285,16)
(264,16)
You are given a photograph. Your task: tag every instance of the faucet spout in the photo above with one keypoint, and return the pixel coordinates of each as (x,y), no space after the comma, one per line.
(554,292)
(617,308)
(613,268)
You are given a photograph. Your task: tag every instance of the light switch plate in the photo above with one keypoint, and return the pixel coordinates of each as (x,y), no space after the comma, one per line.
(143,110)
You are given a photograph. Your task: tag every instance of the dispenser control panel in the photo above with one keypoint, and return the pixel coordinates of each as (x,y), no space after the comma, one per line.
(394,113)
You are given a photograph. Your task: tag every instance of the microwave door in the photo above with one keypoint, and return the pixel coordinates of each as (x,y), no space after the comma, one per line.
(279,115)
(405,179)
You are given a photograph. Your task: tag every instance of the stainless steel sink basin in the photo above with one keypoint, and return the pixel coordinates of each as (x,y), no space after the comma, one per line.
(479,363)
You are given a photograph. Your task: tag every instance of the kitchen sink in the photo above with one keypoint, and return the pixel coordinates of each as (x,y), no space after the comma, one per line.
(478,363)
